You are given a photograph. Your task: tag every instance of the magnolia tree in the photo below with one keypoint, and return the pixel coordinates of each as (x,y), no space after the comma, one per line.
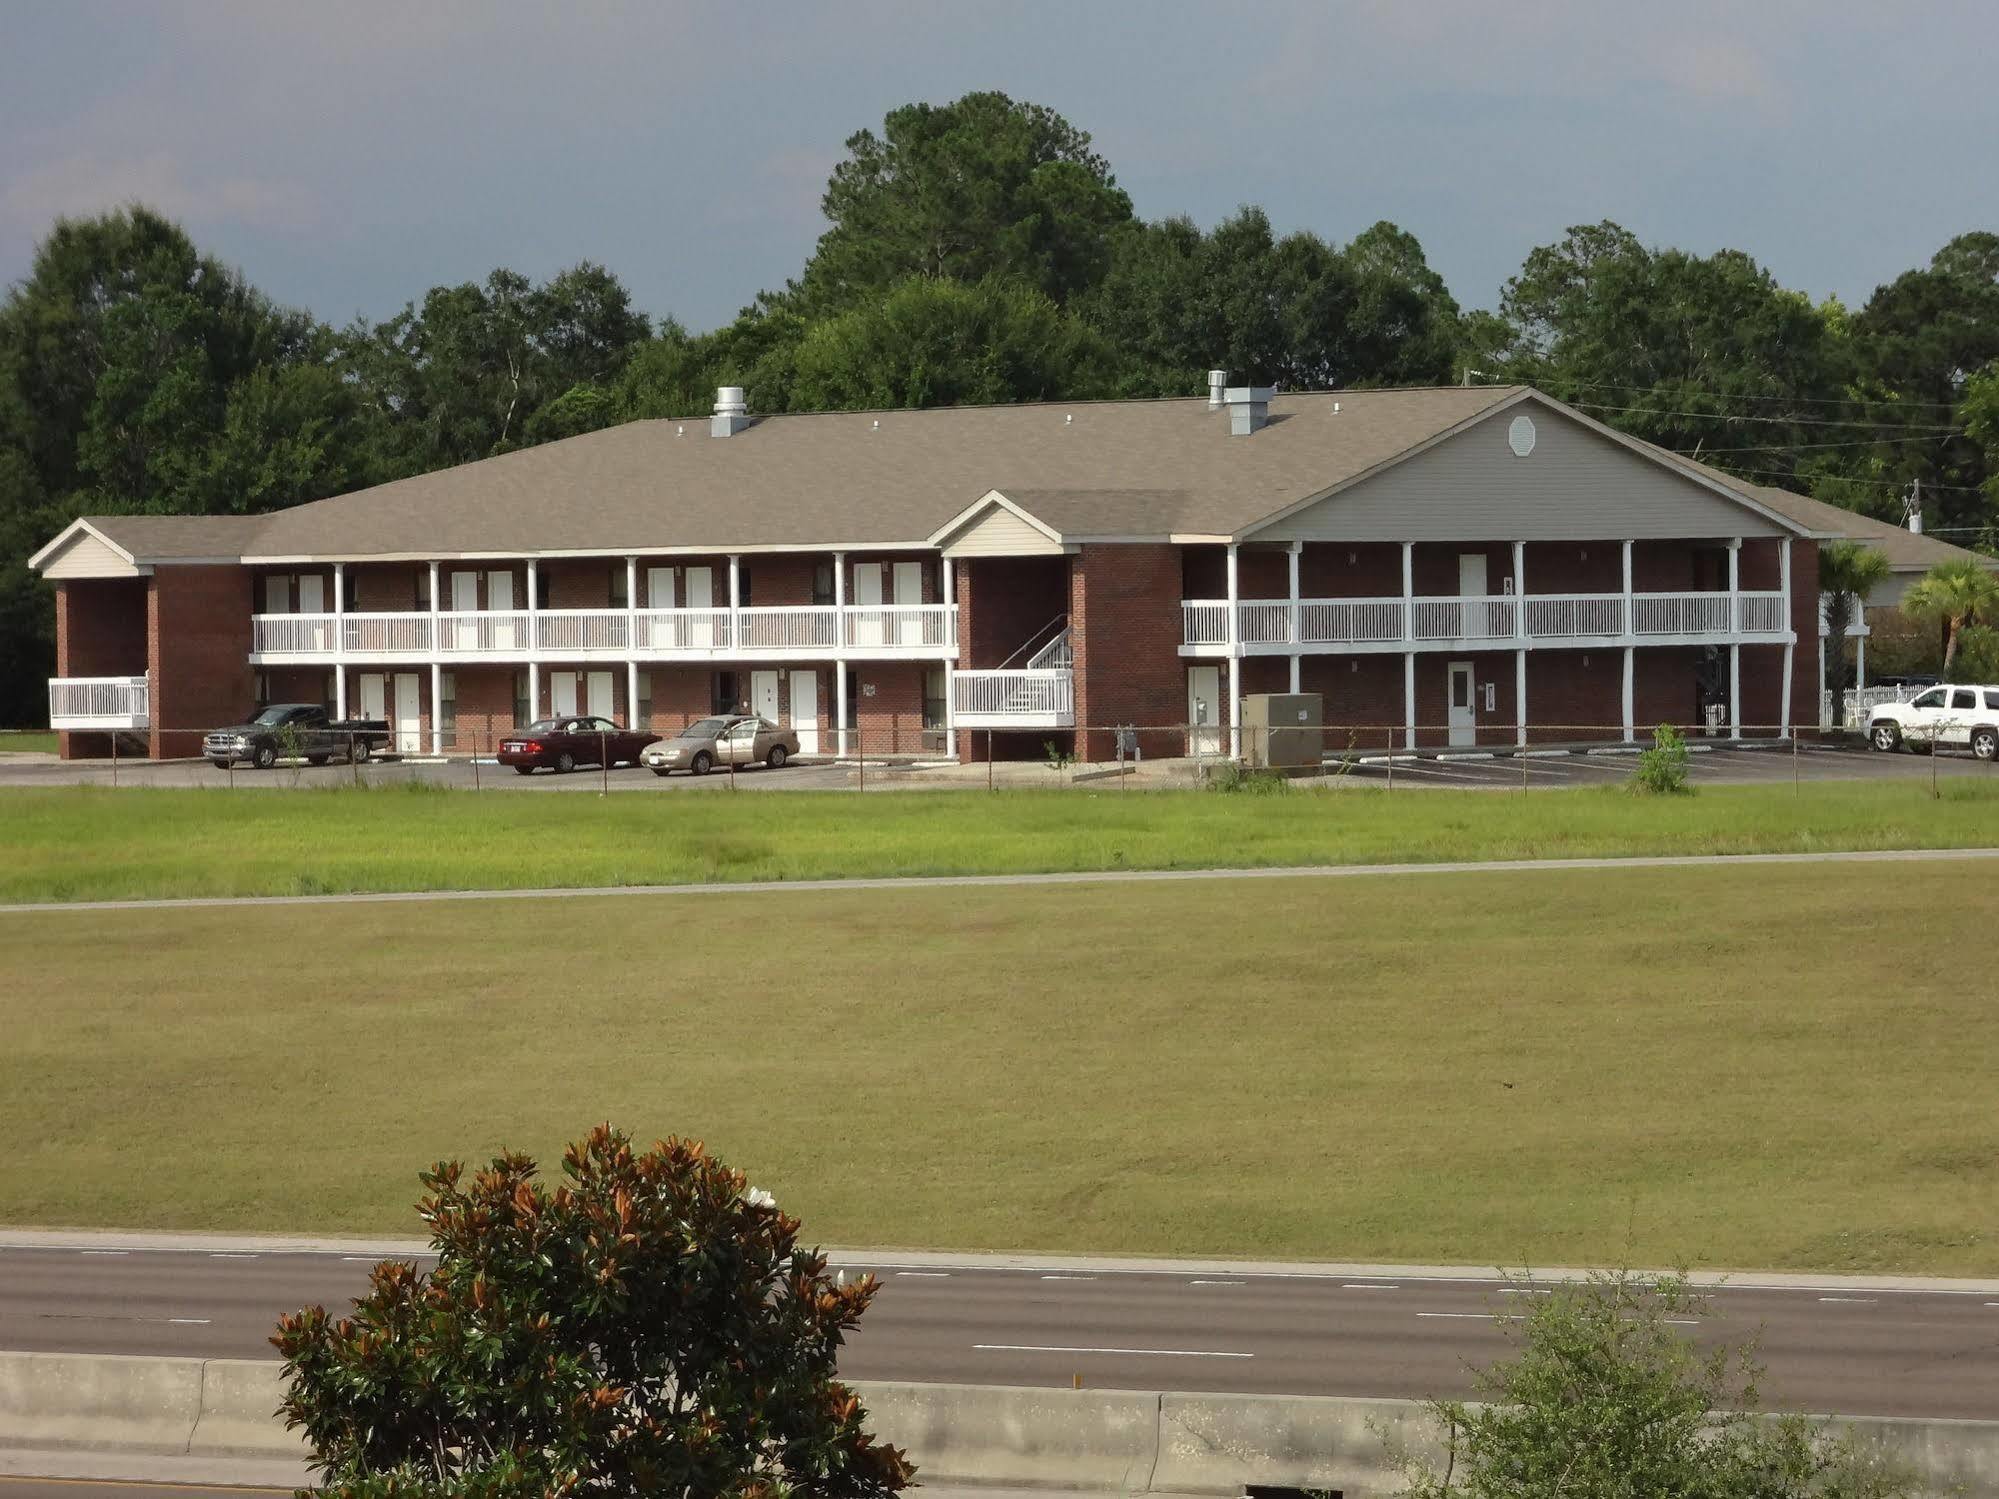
(649,1327)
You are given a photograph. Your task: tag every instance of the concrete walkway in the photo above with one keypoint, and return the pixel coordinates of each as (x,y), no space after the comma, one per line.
(1016,881)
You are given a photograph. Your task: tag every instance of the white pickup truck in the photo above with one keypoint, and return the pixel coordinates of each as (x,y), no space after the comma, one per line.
(1954,715)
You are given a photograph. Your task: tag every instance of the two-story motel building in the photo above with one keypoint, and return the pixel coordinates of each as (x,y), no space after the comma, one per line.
(1446,566)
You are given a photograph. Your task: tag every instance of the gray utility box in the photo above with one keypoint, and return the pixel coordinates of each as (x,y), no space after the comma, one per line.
(1283,730)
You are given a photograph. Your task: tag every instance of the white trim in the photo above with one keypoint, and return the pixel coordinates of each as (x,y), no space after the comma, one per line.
(608,550)
(987,501)
(62,539)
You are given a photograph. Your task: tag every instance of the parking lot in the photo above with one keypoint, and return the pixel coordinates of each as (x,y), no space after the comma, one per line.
(1539,770)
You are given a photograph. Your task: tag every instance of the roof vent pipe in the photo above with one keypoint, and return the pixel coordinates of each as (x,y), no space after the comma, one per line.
(1249,408)
(1217,379)
(732,412)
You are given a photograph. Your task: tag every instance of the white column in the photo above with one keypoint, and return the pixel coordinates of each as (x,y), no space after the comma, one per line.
(1408,590)
(1630,715)
(947,591)
(436,708)
(632,644)
(339,640)
(1784,584)
(534,645)
(1826,706)
(840,653)
(1734,691)
(1735,585)
(632,695)
(947,595)
(1630,619)
(1520,597)
(1520,695)
(1859,659)
(735,581)
(1409,697)
(1296,549)
(1235,658)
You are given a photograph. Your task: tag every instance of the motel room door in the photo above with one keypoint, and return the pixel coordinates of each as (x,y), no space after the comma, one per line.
(868,600)
(600,694)
(1204,710)
(909,595)
(374,695)
(562,694)
(763,695)
(805,710)
(1463,704)
(409,713)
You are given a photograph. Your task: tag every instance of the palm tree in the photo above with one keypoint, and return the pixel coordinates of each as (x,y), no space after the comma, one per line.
(1958,593)
(1848,572)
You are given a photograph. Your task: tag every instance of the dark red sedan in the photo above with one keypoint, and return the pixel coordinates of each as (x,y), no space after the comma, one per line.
(565,743)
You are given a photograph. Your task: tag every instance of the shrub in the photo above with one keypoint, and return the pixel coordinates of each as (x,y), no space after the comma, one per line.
(650,1327)
(1603,1399)
(1236,779)
(1662,769)
(1977,655)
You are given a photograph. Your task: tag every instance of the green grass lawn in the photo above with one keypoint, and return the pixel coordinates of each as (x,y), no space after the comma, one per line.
(27,741)
(1774,1066)
(84,843)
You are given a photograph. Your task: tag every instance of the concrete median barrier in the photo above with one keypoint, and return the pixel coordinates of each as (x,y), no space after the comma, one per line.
(1001,1434)
(1115,1441)
(239,1403)
(1215,1444)
(98,1401)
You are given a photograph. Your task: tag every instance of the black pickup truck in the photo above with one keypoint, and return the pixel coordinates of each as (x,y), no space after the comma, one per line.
(295,729)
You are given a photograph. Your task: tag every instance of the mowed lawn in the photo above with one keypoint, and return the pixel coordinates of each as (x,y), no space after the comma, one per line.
(1779,1066)
(84,843)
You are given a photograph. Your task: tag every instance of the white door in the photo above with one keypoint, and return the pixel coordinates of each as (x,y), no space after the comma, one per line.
(600,694)
(500,596)
(657,634)
(701,595)
(868,599)
(1204,710)
(465,602)
(1463,704)
(909,595)
(1475,624)
(374,695)
(562,694)
(409,713)
(805,710)
(763,694)
(312,600)
(277,594)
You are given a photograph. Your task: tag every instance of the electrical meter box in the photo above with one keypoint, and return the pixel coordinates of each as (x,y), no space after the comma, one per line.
(1283,730)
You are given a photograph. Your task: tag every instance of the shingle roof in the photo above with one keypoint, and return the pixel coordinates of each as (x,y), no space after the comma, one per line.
(877,478)
(1906,550)
(169,538)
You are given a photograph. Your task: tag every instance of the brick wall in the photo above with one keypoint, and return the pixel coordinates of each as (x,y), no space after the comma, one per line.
(391,587)
(198,647)
(1130,669)
(1360,570)
(1574,567)
(1574,695)
(1004,600)
(100,632)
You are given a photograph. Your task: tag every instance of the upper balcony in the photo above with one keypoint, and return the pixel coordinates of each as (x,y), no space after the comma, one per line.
(800,633)
(99,703)
(1501,621)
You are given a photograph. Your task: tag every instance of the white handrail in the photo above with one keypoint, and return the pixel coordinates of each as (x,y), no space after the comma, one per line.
(1023,691)
(100,702)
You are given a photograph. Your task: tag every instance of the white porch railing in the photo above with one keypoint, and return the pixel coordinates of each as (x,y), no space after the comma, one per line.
(1561,616)
(1489,617)
(513,634)
(1266,624)
(1018,697)
(99,703)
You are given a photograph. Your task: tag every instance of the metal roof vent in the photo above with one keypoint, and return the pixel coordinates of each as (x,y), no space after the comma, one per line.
(732,412)
(1249,408)
(1217,379)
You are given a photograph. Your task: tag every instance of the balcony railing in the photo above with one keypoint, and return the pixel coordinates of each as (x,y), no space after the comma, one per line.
(99,703)
(1265,625)
(1021,698)
(517,634)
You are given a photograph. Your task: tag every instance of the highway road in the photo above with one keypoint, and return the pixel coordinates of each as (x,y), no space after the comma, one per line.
(1837,1348)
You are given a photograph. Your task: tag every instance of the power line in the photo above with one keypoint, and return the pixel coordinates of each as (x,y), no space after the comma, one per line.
(1888,401)
(1803,447)
(1783,421)
(1893,485)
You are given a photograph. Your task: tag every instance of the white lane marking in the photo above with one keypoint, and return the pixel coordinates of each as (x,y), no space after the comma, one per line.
(232,1256)
(1522,1291)
(1068,1277)
(1471,1316)
(1852,1300)
(1244,1283)
(189,1321)
(1136,1352)
(1364,1285)
(105,1253)
(926,1274)
(357,1259)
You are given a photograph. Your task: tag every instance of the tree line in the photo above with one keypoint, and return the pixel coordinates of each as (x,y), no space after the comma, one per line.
(976,251)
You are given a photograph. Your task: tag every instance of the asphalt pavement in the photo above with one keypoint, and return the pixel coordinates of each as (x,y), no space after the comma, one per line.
(1838,1346)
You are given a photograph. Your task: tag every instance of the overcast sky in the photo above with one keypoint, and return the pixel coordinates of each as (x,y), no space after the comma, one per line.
(348,156)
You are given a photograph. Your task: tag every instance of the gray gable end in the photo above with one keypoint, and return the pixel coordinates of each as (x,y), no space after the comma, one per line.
(1573,484)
